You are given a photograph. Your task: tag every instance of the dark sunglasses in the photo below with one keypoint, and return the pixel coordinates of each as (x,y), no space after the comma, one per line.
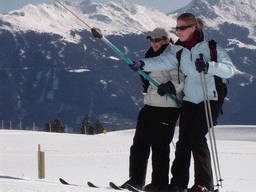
(182,28)
(156,40)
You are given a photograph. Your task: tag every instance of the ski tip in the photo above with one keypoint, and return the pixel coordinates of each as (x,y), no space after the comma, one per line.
(63,181)
(114,186)
(90,184)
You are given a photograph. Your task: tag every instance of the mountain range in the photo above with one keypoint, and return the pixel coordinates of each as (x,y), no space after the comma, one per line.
(52,67)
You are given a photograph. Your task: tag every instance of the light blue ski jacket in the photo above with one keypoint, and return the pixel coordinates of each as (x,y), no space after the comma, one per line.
(223,68)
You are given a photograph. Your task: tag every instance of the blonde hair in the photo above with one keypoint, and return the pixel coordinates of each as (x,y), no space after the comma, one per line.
(190,19)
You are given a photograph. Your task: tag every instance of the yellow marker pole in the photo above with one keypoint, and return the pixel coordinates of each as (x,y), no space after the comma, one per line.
(41,163)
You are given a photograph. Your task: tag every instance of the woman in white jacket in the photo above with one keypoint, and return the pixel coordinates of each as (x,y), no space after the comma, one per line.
(193,125)
(156,121)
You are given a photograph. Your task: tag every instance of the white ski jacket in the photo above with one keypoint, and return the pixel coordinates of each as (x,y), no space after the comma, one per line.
(223,68)
(152,98)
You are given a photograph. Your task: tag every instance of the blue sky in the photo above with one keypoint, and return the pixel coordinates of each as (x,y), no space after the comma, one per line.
(162,5)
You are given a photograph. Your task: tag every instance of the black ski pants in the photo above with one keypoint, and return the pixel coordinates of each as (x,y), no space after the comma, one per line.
(155,130)
(192,138)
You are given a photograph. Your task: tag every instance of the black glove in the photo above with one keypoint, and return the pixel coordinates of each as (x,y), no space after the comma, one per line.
(145,83)
(201,66)
(165,88)
(137,65)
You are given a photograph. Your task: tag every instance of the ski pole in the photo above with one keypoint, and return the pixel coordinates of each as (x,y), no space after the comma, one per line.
(97,34)
(208,113)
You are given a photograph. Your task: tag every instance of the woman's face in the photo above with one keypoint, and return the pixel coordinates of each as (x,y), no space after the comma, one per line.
(157,43)
(184,34)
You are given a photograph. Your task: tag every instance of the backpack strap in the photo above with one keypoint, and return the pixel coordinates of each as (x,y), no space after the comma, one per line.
(178,55)
(213,51)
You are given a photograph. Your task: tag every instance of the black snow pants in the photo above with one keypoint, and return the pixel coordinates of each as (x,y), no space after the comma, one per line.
(155,129)
(192,131)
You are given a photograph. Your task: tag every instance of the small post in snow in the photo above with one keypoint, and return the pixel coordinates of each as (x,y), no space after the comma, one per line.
(41,163)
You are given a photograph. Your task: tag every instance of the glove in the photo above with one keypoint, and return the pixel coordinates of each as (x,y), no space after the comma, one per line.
(145,83)
(137,65)
(201,66)
(165,88)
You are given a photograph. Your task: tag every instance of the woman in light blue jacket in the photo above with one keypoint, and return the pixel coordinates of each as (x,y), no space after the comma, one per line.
(193,126)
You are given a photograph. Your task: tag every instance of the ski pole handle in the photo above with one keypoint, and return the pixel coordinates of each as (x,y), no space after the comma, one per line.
(206,63)
(202,57)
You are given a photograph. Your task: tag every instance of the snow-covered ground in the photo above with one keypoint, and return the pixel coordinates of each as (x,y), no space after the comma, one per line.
(105,157)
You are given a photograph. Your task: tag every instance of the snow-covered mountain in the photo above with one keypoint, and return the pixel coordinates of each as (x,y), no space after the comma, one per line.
(52,67)
(112,18)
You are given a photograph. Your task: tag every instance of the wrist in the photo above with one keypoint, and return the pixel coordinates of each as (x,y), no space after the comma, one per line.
(142,65)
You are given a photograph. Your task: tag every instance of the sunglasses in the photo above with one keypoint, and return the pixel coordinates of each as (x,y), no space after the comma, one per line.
(156,40)
(182,28)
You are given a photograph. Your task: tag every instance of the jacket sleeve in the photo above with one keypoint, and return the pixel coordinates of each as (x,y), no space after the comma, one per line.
(166,61)
(224,67)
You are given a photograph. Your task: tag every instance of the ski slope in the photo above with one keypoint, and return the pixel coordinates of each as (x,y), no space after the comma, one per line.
(105,157)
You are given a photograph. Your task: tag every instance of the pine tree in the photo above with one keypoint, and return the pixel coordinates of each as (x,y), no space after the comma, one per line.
(86,125)
(91,130)
(98,126)
(47,127)
(58,126)
(55,126)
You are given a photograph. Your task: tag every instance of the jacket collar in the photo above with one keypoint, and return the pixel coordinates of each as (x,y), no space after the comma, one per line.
(152,53)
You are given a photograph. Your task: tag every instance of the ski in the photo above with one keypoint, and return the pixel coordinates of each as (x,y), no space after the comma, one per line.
(114,186)
(90,184)
(131,188)
(63,181)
